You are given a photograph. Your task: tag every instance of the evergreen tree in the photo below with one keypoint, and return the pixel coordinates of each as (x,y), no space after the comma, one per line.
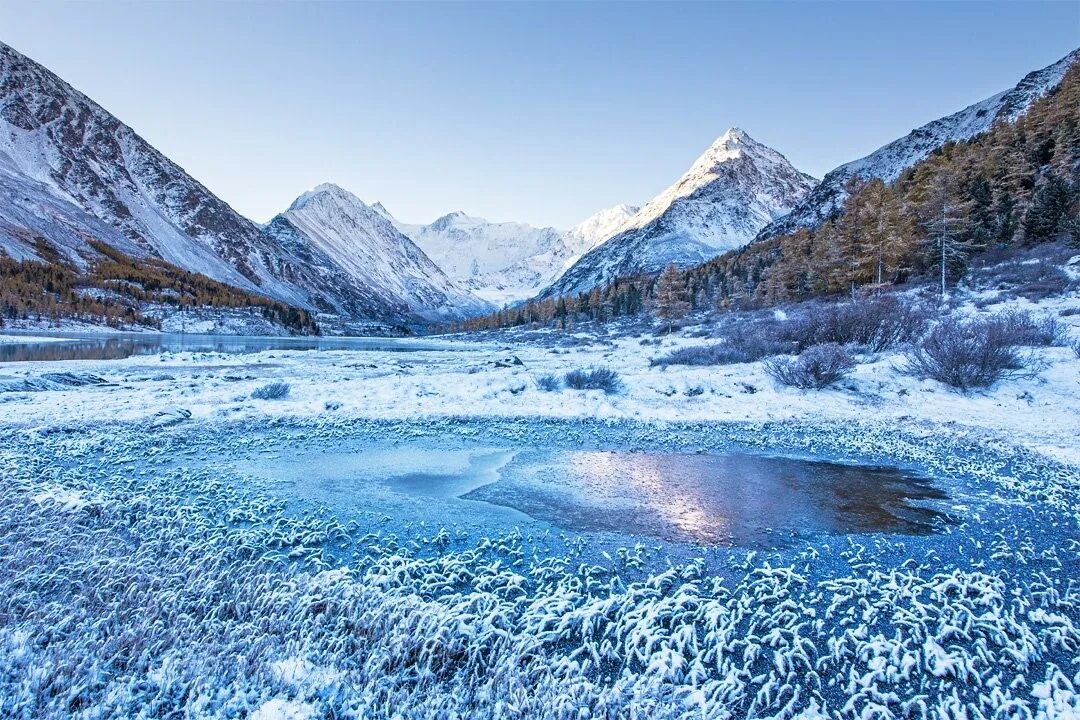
(669,300)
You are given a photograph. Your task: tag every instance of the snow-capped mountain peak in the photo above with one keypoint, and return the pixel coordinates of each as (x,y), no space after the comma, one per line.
(325,192)
(730,192)
(381,209)
(733,159)
(505,262)
(70,171)
(329,221)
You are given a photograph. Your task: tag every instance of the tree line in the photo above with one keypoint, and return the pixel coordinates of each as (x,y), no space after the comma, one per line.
(115,286)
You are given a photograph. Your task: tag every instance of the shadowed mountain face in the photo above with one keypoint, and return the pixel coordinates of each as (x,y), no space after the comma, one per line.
(339,234)
(733,190)
(70,171)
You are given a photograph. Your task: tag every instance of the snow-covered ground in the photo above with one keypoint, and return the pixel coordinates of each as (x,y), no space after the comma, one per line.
(499,380)
(139,542)
(23,339)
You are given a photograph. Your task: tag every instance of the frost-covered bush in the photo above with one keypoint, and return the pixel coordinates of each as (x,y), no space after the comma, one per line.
(966,354)
(817,367)
(754,343)
(598,378)
(1015,327)
(271,391)
(549,383)
(1076,347)
(876,324)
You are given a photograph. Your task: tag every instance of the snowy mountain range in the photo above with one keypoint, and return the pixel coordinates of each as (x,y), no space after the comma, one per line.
(71,172)
(733,190)
(505,262)
(889,161)
(335,234)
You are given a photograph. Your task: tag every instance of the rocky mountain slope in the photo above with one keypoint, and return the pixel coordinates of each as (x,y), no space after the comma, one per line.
(504,262)
(70,172)
(351,244)
(733,190)
(889,161)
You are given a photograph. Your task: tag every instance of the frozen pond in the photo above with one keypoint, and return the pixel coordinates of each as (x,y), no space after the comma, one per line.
(86,346)
(732,499)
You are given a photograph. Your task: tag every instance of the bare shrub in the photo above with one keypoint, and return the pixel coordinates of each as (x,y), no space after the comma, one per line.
(817,367)
(1076,347)
(1035,273)
(598,378)
(966,354)
(272,391)
(549,383)
(1022,328)
(876,324)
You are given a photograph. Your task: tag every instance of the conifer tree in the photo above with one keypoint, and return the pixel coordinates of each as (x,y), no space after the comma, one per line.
(669,298)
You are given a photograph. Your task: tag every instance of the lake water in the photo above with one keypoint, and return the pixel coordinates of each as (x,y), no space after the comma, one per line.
(76,346)
(732,500)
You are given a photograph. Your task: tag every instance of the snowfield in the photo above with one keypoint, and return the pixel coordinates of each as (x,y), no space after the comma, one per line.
(144,574)
(497,378)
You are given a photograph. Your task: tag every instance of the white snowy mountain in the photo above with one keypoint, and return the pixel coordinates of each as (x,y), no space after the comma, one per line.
(71,172)
(733,190)
(336,234)
(891,160)
(504,262)
(597,228)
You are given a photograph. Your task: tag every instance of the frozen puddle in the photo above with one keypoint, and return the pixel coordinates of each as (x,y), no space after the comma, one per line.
(736,499)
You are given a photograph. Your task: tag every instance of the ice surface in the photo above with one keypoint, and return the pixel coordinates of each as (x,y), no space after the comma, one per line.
(702,498)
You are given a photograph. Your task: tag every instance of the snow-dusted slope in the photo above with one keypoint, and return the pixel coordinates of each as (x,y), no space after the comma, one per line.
(597,228)
(31,211)
(340,236)
(71,172)
(733,190)
(74,150)
(889,161)
(504,262)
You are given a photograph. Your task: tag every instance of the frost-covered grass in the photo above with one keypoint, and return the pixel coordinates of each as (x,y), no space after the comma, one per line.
(170,590)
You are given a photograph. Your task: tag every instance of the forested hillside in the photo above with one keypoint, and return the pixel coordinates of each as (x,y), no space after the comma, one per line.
(1010,189)
(116,287)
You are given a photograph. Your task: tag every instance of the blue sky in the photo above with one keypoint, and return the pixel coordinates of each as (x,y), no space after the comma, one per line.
(536,112)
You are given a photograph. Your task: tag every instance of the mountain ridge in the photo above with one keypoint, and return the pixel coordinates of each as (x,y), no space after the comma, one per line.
(363,247)
(888,161)
(70,171)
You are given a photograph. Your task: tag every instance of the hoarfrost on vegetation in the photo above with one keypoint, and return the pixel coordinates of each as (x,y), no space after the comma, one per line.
(185,590)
